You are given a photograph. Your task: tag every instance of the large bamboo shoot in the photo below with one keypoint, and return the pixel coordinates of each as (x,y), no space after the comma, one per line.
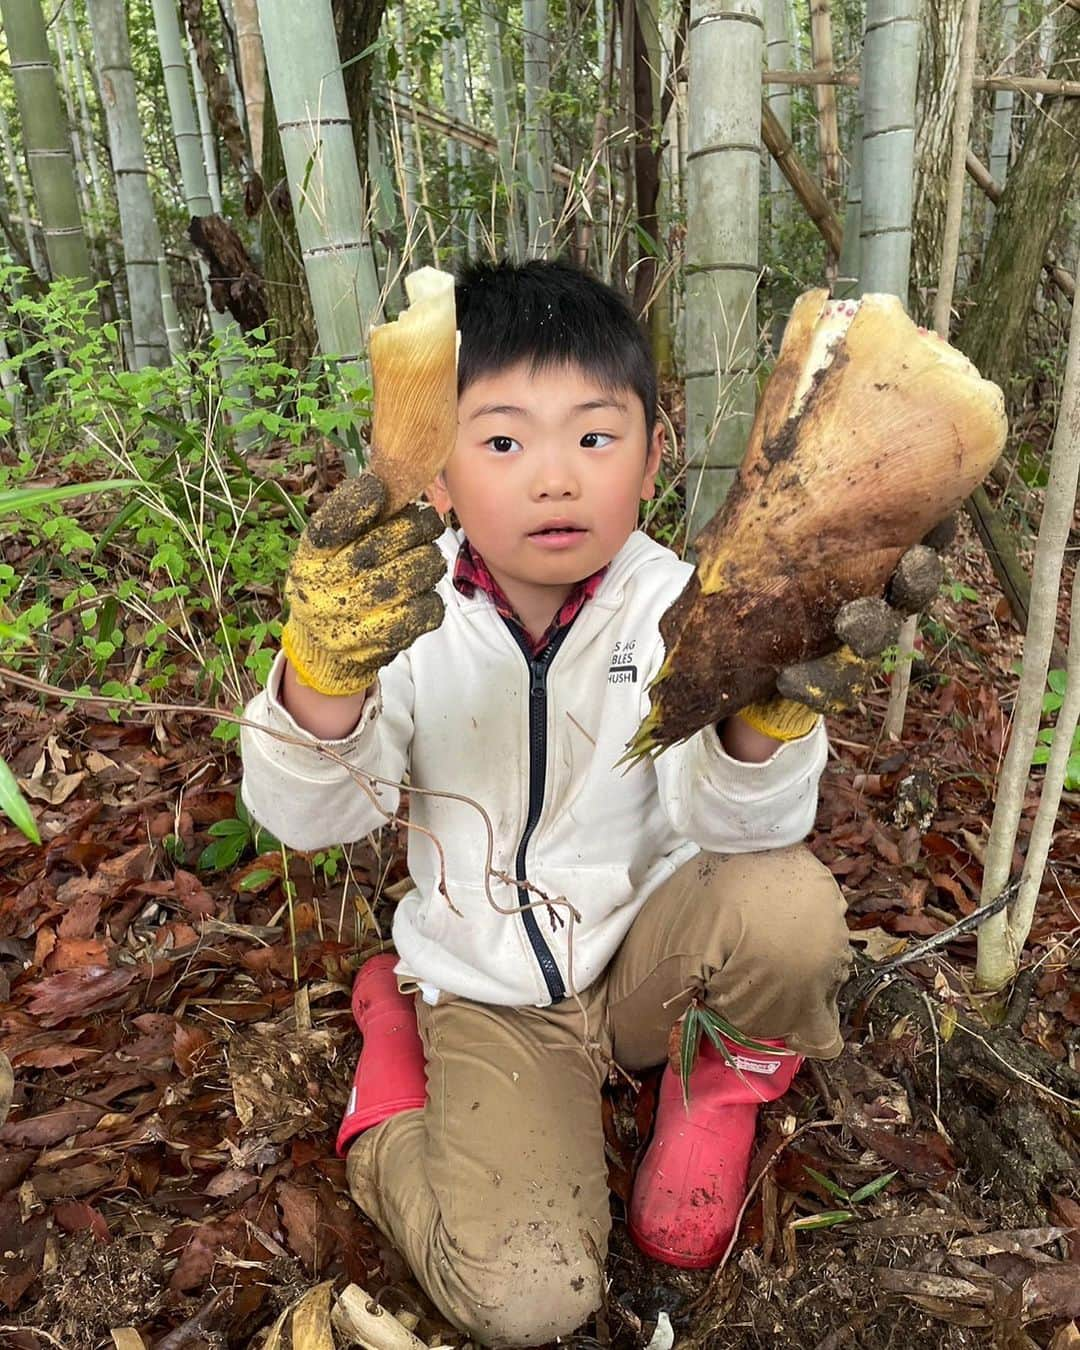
(868,433)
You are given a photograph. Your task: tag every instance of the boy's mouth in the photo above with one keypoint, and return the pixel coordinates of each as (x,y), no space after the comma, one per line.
(555,529)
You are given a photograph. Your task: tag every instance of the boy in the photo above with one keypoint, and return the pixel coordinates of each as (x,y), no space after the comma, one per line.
(475,1142)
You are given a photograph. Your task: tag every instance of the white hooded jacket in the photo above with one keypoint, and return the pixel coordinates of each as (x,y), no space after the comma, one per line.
(534,740)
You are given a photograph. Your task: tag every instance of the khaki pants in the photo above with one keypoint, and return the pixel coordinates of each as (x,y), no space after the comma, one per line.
(496,1191)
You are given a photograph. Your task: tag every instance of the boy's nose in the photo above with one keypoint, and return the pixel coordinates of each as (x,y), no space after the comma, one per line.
(554,478)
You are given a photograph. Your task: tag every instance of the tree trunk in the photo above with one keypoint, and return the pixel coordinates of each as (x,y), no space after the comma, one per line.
(939,57)
(45,135)
(252,72)
(890,68)
(536,43)
(1031,207)
(723,168)
(138,225)
(304,67)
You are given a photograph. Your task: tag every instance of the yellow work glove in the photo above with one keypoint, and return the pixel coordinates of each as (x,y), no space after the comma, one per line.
(836,681)
(360,589)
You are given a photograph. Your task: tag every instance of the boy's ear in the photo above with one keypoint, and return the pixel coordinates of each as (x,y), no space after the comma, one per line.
(652,462)
(438,495)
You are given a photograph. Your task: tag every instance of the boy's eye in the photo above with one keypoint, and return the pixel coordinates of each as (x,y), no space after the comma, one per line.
(502,445)
(589,440)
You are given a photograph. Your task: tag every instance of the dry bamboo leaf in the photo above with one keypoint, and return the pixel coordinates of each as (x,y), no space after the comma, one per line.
(868,434)
(311,1320)
(414,374)
(1018,1241)
(7,1086)
(127,1338)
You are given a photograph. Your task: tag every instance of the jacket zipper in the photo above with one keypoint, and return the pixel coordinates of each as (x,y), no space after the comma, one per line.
(538,669)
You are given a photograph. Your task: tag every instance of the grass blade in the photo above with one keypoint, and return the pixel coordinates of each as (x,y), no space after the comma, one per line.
(15,806)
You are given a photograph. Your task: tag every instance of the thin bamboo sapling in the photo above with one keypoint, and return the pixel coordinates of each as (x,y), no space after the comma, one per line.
(1001,938)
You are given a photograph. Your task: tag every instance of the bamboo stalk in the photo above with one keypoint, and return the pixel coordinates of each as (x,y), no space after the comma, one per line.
(723,168)
(890,59)
(82,169)
(954,209)
(206,130)
(821,47)
(75,53)
(779,100)
(22,206)
(805,186)
(850,263)
(1022,910)
(316,136)
(491,17)
(45,134)
(536,47)
(999,943)
(1001,131)
(252,72)
(138,224)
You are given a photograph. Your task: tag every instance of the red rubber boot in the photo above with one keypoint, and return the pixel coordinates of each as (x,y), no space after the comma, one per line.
(692,1180)
(390,1075)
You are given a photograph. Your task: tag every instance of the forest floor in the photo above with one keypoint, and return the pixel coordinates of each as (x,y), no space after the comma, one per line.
(181,1046)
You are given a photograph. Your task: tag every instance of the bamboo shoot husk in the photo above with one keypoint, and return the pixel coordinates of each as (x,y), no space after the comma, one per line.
(869,432)
(414,373)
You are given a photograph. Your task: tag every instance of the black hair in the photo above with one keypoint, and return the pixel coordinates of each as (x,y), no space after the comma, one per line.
(551,314)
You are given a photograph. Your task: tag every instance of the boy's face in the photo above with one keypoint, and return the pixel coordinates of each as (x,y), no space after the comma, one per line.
(546,476)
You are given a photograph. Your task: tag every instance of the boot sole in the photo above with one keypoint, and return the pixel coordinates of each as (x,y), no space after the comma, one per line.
(666,1257)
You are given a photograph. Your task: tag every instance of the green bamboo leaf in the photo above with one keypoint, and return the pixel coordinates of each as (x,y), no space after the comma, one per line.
(831,1186)
(14,805)
(829,1218)
(870,1189)
(15,500)
(688,1047)
(258,878)
(717,1025)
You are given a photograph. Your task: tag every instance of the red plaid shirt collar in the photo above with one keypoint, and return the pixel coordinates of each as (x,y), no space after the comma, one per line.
(471,575)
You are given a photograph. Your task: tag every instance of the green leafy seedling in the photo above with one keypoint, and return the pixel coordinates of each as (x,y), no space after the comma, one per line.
(829,1218)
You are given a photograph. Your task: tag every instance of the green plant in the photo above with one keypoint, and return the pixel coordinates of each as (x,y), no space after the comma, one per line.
(699,1020)
(957,591)
(233,838)
(18,501)
(850,1199)
(1052,700)
(186,576)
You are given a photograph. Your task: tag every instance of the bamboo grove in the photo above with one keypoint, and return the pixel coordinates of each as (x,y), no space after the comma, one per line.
(260,174)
